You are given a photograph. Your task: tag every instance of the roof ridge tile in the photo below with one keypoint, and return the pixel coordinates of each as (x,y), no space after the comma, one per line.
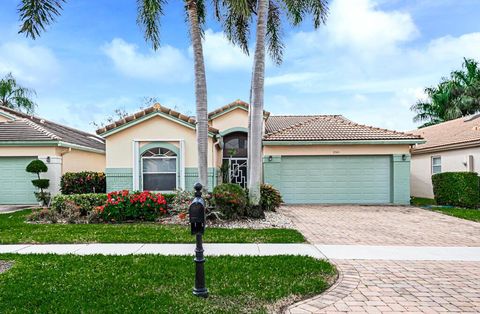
(41,129)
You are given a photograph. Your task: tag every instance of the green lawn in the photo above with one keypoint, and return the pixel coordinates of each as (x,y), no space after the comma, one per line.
(156,284)
(469,214)
(14,229)
(464,213)
(422,201)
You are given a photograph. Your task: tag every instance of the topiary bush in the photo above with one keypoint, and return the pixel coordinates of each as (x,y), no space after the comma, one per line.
(37,166)
(230,200)
(456,189)
(83,182)
(270,198)
(86,202)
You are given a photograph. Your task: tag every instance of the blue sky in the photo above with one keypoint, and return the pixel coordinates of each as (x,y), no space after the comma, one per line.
(370,62)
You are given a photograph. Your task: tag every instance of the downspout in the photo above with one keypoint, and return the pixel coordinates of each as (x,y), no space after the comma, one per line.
(64,153)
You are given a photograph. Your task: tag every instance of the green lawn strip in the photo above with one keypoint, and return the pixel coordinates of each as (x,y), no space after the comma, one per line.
(469,214)
(156,284)
(14,229)
(422,201)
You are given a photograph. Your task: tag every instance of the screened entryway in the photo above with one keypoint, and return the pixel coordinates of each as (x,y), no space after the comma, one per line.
(235,152)
(159,169)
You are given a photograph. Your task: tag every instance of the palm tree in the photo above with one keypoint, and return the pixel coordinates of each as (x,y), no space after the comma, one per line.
(15,96)
(236,16)
(36,15)
(452,98)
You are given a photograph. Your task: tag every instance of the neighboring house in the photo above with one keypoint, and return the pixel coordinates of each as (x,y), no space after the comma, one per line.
(310,159)
(450,146)
(24,138)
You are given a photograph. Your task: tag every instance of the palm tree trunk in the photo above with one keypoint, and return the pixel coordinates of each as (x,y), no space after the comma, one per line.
(258,85)
(200,93)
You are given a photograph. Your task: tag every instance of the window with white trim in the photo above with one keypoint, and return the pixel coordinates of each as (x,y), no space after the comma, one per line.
(159,169)
(436,164)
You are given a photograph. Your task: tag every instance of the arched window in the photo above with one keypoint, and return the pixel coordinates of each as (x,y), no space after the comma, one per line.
(235,145)
(159,169)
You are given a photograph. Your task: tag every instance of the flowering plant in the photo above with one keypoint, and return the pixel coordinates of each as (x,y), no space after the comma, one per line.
(125,206)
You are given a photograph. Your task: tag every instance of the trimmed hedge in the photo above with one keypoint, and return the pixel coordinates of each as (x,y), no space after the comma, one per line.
(460,189)
(86,202)
(83,183)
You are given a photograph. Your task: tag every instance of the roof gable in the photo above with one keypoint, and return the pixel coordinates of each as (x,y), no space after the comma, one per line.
(150,112)
(237,104)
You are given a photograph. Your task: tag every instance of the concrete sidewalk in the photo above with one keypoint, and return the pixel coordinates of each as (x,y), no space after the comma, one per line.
(350,252)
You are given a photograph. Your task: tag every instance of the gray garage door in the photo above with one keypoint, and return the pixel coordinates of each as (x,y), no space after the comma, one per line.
(15,183)
(336,179)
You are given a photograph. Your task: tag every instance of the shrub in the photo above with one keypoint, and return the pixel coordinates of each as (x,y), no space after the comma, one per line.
(456,189)
(270,198)
(37,166)
(181,201)
(83,183)
(86,202)
(43,214)
(169,198)
(41,183)
(125,206)
(230,200)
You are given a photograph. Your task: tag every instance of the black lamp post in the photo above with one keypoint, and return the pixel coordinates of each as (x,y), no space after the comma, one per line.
(196,213)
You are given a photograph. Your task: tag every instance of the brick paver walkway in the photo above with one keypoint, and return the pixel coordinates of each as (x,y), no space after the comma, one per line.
(391,286)
(382,225)
(399,287)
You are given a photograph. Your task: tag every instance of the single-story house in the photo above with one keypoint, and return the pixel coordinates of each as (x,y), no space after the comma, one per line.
(309,158)
(24,138)
(450,146)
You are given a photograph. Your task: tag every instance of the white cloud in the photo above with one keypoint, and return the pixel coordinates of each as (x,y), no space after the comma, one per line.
(291,78)
(221,55)
(168,64)
(35,65)
(360,24)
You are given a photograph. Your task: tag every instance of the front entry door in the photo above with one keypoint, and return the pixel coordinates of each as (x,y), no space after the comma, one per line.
(237,170)
(235,158)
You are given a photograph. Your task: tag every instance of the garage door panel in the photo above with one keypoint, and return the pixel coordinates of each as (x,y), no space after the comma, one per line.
(15,182)
(335,179)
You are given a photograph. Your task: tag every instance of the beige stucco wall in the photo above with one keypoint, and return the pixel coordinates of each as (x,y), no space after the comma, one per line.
(452,161)
(29,151)
(305,150)
(235,118)
(77,161)
(119,145)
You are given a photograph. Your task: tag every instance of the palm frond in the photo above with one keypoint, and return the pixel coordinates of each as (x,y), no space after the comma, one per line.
(148,18)
(35,15)
(274,33)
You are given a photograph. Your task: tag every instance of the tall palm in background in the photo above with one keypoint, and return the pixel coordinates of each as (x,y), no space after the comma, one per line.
(15,96)
(237,17)
(454,97)
(37,14)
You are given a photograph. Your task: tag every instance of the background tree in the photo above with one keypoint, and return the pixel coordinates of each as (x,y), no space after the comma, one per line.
(35,15)
(15,96)
(454,97)
(237,17)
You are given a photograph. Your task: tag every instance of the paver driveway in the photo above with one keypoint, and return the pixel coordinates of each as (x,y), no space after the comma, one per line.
(382,225)
(392,286)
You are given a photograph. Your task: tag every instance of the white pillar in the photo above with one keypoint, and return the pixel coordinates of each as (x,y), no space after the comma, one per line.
(54,173)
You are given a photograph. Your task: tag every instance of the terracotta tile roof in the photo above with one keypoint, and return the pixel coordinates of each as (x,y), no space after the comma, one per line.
(27,127)
(155,108)
(236,103)
(450,134)
(326,128)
